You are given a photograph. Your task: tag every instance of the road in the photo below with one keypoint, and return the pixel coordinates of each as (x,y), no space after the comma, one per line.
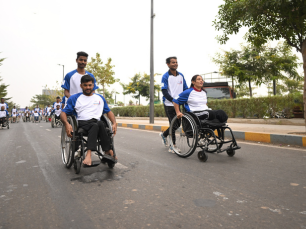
(263,186)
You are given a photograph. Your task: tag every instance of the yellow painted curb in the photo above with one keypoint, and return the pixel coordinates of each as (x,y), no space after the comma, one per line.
(304,141)
(148,127)
(164,128)
(124,125)
(135,126)
(260,137)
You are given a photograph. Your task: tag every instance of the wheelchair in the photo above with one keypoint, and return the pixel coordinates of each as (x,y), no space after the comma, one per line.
(208,135)
(34,121)
(55,123)
(6,123)
(74,149)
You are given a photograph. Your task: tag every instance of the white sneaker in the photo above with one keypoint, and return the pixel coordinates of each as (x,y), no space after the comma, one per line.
(164,139)
(171,150)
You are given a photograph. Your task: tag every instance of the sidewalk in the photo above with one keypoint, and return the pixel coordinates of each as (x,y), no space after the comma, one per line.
(268,131)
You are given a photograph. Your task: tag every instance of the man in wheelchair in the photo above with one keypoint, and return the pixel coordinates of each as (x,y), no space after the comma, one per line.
(3,116)
(88,108)
(57,112)
(195,100)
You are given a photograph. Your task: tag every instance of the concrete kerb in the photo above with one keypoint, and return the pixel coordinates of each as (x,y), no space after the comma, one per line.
(249,136)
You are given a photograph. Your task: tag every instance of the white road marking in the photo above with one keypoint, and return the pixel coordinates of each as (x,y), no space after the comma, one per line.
(40,126)
(48,130)
(120,166)
(59,136)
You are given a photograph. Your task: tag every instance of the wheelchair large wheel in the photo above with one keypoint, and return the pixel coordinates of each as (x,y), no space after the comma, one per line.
(185,132)
(68,144)
(52,122)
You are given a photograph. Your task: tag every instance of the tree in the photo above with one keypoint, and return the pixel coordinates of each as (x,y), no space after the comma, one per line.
(140,85)
(104,74)
(3,87)
(42,100)
(266,20)
(285,86)
(107,95)
(258,64)
(120,104)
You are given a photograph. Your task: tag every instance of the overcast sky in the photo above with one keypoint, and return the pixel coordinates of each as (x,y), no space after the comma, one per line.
(36,36)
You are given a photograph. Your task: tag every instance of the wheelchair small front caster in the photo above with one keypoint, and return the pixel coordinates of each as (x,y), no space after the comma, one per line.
(230,152)
(77,166)
(111,165)
(202,156)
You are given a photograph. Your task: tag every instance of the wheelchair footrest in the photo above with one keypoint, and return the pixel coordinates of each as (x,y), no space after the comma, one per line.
(93,164)
(108,158)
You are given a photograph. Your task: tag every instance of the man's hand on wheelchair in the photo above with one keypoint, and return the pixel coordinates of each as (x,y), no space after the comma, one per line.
(179,115)
(69,130)
(114,126)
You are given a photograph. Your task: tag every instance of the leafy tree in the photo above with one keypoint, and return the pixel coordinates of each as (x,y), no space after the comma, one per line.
(107,95)
(285,86)
(266,20)
(121,104)
(3,87)
(140,85)
(104,74)
(42,100)
(258,64)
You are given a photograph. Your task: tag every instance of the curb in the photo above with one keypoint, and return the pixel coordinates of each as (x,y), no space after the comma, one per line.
(249,136)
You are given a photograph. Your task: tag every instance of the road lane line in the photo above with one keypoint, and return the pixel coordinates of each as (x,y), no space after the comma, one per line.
(121,166)
(40,126)
(48,130)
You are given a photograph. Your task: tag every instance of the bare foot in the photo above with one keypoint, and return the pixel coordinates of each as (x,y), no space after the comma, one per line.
(111,153)
(87,160)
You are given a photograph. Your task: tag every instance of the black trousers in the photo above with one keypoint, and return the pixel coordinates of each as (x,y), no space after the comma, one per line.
(2,120)
(170,112)
(212,114)
(96,130)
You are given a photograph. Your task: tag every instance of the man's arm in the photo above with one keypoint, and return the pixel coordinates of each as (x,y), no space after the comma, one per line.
(67,93)
(68,127)
(112,118)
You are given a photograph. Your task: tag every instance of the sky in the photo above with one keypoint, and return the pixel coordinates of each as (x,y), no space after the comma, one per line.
(36,36)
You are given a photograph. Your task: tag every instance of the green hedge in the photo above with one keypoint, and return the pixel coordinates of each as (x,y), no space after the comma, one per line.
(246,108)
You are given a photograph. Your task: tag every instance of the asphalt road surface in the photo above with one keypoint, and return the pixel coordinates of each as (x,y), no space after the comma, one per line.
(262,186)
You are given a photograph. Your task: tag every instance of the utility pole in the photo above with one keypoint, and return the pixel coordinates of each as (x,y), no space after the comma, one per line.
(63,70)
(152,69)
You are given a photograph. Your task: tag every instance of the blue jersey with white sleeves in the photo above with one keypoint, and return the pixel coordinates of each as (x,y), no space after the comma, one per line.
(86,107)
(174,85)
(194,100)
(72,82)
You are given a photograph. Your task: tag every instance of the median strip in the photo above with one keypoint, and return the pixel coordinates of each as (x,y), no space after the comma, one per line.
(249,136)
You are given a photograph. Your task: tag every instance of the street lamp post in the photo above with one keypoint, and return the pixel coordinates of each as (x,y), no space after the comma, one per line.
(152,70)
(63,70)
(210,73)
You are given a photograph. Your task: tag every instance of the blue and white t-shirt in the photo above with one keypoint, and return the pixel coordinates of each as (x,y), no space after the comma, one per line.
(3,114)
(193,100)
(55,104)
(72,82)
(86,107)
(64,101)
(174,85)
(4,105)
(37,109)
(57,112)
(14,110)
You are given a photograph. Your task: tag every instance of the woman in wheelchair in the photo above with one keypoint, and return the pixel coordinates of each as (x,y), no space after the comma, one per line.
(88,107)
(3,116)
(199,126)
(195,100)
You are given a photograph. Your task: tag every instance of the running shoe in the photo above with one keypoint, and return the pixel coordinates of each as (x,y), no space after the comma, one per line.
(164,139)
(173,149)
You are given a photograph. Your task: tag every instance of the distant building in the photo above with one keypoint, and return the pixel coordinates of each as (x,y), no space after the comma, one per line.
(49,92)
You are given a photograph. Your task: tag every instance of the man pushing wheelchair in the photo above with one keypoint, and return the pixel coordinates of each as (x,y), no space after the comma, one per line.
(88,107)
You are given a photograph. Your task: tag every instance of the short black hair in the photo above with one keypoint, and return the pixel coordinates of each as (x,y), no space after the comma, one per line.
(58,97)
(81,54)
(168,60)
(86,78)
